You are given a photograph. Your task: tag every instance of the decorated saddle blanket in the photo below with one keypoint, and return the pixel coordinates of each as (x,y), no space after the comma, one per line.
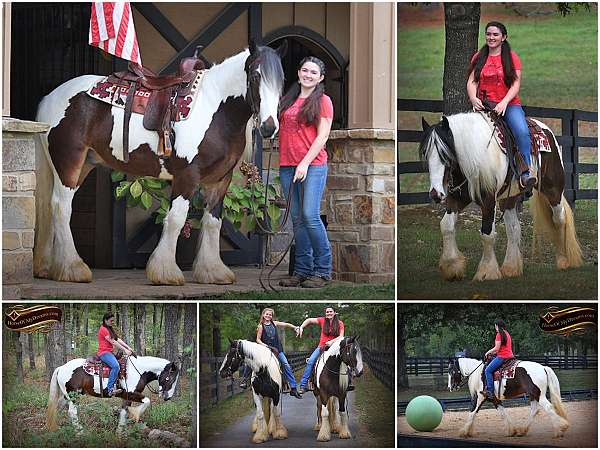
(93,365)
(507,369)
(115,93)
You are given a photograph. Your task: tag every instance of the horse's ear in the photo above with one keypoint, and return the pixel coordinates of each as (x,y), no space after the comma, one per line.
(445,122)
(252,46)
(424,124)
(282,49)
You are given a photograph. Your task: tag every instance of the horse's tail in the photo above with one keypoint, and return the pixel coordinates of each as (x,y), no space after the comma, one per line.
(543,225)
(44,228)
(53,400)
(555,398)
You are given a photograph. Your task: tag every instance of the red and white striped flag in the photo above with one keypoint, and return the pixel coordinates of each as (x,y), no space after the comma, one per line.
(111,29)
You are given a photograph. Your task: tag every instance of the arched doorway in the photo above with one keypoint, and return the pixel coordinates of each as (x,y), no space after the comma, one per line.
(303,42)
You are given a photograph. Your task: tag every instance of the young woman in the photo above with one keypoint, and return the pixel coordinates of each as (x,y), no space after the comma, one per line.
(331,328)
(266,334)
(107,341)
(305,122)
(503,350)
(495,76)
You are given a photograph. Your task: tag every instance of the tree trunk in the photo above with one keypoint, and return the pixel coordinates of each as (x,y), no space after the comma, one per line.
(216,333)
(65,333)
(31,351)
(125,321)
(53,348)
(189,336)
(140,325)
(402,375)
(155,329)
(462,28)
(172,318)
(160,324)
(18,344)
(192,385)
(85,328)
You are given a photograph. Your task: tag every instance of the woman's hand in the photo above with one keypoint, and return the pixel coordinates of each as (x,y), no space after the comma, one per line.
(501,107)
(477,104)
(301,171)
(299,331)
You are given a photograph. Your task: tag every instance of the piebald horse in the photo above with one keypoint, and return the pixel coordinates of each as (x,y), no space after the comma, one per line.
(266,386)
(466,164)
(141,371)
(331,375)
(531,379)
(85,133)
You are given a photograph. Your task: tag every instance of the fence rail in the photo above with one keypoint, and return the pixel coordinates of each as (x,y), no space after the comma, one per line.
(383,366)
(214,389)
(569,140)
(439,366)
(464,403)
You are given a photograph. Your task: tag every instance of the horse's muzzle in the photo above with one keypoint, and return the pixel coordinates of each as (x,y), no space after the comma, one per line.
(436,196)
(268,128)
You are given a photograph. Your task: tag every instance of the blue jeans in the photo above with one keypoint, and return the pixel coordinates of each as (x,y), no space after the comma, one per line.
(489,373)
(309,367)
(287,370)
(515,117)
(110,360)
(313,251)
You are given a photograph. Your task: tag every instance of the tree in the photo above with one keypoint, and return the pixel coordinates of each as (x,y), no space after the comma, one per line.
(18,346)
(124,310)
(462,29)
(31,351)
(139,328)
(189,333)
(53,347)
(172,321)
(155,327)
(85,328)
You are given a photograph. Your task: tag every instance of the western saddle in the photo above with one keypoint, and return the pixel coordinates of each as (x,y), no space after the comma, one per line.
(93,365)
(164,92)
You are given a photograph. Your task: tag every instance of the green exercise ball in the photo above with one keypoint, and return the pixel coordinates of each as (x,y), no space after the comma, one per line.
(424,413)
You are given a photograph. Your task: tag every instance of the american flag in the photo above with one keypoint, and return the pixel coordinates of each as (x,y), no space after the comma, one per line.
(111,29)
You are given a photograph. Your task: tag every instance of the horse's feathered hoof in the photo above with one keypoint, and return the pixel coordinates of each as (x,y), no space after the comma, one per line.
(510,270)
(75,272)
(453,269)
(216,275)
(485,273)
(562,263)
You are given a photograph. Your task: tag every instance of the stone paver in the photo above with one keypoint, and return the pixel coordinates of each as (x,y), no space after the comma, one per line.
(132,284)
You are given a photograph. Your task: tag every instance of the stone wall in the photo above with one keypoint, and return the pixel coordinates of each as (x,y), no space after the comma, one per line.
(18,204)
(360,204)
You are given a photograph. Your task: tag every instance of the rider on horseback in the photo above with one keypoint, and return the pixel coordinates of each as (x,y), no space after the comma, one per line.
(107,341)
(331,328)
(495,77)
(503,351)
(266,334)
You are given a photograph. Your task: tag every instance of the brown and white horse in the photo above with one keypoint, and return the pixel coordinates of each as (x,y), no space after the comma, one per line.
(85,133)
(466,164)
(331,375)
(140,371)
(531,379)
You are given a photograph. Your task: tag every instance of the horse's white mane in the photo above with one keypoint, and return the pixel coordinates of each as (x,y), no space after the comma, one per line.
(468,365)
(231,70)
(151,363)
(258,357)
(479,155)
(334,348)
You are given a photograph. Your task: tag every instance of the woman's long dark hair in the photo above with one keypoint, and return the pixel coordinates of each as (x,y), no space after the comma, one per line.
(510,74)
(112,332)
(502,330)
(331,327)
(310,111)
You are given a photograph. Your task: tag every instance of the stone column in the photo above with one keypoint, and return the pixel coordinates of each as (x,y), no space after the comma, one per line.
(18,204)
(360,202)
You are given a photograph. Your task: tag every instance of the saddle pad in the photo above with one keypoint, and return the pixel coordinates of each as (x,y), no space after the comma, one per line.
(93,368)
(539,140)
(507,370)
(115,94)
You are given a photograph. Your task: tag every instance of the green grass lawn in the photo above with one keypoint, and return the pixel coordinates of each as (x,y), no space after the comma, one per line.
(333,292)
(420,245)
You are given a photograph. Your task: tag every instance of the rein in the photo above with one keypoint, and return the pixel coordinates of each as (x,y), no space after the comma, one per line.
(466,380)
(151,389)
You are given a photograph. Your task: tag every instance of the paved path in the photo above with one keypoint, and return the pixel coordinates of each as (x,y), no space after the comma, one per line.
(116,284)
(299,417)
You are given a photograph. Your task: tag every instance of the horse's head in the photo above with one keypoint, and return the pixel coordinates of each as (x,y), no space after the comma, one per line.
(264,75)
(167,380)
(351,354)
(437,147)
(454,374)
(233,359)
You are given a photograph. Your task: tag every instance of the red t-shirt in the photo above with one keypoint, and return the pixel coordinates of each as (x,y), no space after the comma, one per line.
(491,79)
(324,337)
(295,137)
(505,350)
(103,345)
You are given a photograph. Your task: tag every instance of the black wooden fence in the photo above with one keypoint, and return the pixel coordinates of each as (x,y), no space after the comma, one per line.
(214,389)
(382,365)
(439,366)
(570,141)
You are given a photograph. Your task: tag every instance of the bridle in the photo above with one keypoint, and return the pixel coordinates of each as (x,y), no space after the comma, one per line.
(347,352)
(465,377)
